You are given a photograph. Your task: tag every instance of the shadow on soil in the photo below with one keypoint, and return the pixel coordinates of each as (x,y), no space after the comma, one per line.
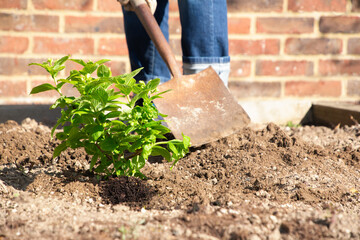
(117,190)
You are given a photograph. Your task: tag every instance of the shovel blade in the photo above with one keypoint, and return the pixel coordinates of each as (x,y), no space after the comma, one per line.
(201,107)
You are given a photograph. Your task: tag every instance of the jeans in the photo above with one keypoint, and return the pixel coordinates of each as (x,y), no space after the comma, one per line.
(204,39)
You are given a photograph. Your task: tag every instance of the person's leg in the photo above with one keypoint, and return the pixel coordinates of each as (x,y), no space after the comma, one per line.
(142,51)
(204,37)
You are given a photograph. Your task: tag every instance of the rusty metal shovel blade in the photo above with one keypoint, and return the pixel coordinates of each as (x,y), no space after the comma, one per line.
(201,107)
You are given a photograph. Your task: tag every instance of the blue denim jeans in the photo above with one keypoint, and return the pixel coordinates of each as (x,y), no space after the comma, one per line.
(204,39)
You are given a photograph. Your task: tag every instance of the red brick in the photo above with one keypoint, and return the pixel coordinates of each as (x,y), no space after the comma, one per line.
(317,5)
(13,44)
(284,25)
(114,6)
(59,45)
(254,47)
(238,25)
(11,88)
(311,46)
(20,66)
(240,68)
(340,24)
(284,68)
(354,46)
(23,23)
(173,6)
(112,46)
(339,67)
(175,45)
(94,24)
(109,6)
(174,25)
(255,5)
(117,67)
(319,88)
(80,5)
(353,88)
(255,89)
(19,4)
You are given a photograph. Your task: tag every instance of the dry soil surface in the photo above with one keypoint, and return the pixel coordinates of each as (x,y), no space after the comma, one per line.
(260,183)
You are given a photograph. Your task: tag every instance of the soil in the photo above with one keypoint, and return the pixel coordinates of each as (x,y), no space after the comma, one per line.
(263,182)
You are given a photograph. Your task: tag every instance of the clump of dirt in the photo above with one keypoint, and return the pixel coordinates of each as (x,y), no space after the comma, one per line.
(272,183)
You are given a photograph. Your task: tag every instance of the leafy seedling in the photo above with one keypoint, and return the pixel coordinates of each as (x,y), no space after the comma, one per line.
(292,125)
(117,133)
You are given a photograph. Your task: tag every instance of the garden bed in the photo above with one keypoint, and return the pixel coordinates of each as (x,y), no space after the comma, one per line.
(265,182)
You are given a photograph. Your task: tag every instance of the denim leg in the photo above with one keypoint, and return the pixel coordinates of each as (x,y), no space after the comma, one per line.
(204,37)
(142,51)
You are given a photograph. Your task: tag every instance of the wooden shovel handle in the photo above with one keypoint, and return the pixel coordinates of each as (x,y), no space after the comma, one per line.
(151,26)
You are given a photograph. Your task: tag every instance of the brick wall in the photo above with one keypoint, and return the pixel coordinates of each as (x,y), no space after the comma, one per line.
(280,49)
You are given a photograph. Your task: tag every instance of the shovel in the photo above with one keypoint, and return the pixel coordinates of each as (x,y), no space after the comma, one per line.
(198,105)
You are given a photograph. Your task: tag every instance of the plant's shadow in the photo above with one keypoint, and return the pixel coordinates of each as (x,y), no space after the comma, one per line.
(132,191)
(129,191)
(16,178)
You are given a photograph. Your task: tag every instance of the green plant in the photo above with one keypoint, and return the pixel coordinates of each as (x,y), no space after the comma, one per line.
(119,135)
(292,125)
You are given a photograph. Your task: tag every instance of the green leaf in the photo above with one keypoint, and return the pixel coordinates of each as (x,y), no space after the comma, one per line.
(136,145)
(95,131)
(93,85)
(103,71)
(59,121)
(115,96)
(42,88)
(129,78)
(61,61)
(129,139)
(173,148)
(59,149)
(137,97)
(91,148)
(101,95)
(44,65)
(102,61)
(117,125)
(152,84)
(161,128)
(138,162)
(102,117)
(124,89)
(160,151)
(129,129)
(108,144)
(59,85)
(186,141)
(89,68)
(146,150)
(79,61)
(113,114)
(93,161)
(96,104)
(75,76)
(158,95)
(61,136)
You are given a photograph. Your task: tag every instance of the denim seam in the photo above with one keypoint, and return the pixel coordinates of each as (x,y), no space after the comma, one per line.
(212,27)
(152,58)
